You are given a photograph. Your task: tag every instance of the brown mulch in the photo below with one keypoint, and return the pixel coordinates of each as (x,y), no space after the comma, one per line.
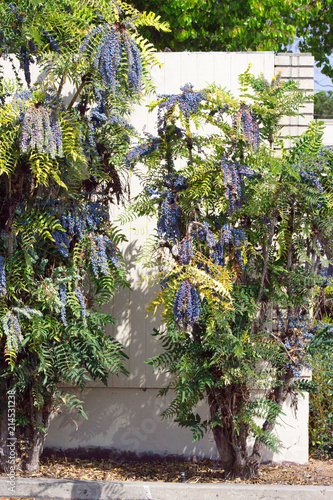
(317,472)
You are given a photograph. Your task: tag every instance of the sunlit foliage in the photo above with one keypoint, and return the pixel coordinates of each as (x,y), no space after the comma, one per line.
(243,246)
(62,162)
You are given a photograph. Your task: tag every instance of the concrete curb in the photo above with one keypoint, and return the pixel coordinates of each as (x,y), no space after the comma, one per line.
(65,489)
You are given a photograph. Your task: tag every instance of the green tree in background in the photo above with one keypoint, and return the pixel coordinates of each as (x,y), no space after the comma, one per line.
(323,105)
(61,165)
(315,28)
(200,25)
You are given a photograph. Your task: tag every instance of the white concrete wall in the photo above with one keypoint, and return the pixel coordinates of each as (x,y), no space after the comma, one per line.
(134,328)
(128,419)
(126,415)
(328,132)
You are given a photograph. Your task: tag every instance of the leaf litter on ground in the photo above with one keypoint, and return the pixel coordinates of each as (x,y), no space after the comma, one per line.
(317,472)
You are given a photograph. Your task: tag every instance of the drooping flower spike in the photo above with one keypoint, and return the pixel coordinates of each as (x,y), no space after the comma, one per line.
(229,235)
(40,125)
(106,43)
(168,222)
(233,173)
(246,123)
(186,308)
(189,100)
(185,250)
(3,286)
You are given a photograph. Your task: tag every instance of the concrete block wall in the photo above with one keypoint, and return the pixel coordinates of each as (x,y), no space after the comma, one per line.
(298,67)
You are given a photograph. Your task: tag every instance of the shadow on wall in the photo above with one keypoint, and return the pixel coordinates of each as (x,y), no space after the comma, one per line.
(127,420)
(133,328)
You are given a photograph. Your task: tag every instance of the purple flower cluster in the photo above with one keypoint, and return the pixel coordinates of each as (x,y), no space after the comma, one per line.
(152,191)
(188,101)
(186,308)
(311,178)
(295,344)
(116,119)
(324,149)
(102,251)
(168,222)
(239,240)
(210,237)
(82,301)
(164,282)
(229,235)
(25,60)
(108,54)
(233,173)
(169,218)
(53,44)
(175,182)
(297,333)
(205,234)
(133,61)
(97,117)
(326,275)
(62,242)
(100,98)
(142,150)
(246,122)
(19,101)
(99,259)
(88,216)
(3,289)
(77,221)
(185,250)
(12,8)
(31,312)
(63,298)
(320,325)
(12,329)
(41,128)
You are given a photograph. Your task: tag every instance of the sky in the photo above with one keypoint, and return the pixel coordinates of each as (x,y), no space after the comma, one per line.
(321,82)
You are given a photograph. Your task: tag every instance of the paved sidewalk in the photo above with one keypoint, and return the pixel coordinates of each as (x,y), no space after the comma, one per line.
(65,489)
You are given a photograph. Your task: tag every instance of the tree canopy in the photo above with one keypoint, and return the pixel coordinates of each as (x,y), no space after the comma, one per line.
(200,25)
(315,28)
(323,105)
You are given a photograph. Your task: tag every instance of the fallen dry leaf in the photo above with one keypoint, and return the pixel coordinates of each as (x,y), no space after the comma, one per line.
(317,472)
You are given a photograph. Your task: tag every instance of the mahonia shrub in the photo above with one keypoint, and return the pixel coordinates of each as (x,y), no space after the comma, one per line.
(241,251)
(62,162)
(321,386)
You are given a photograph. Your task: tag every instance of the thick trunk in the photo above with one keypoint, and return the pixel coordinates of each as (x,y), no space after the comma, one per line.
(36,445)
(26,447)
(224,405)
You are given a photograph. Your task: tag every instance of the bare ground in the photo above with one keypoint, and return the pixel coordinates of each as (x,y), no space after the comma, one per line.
(317,472)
